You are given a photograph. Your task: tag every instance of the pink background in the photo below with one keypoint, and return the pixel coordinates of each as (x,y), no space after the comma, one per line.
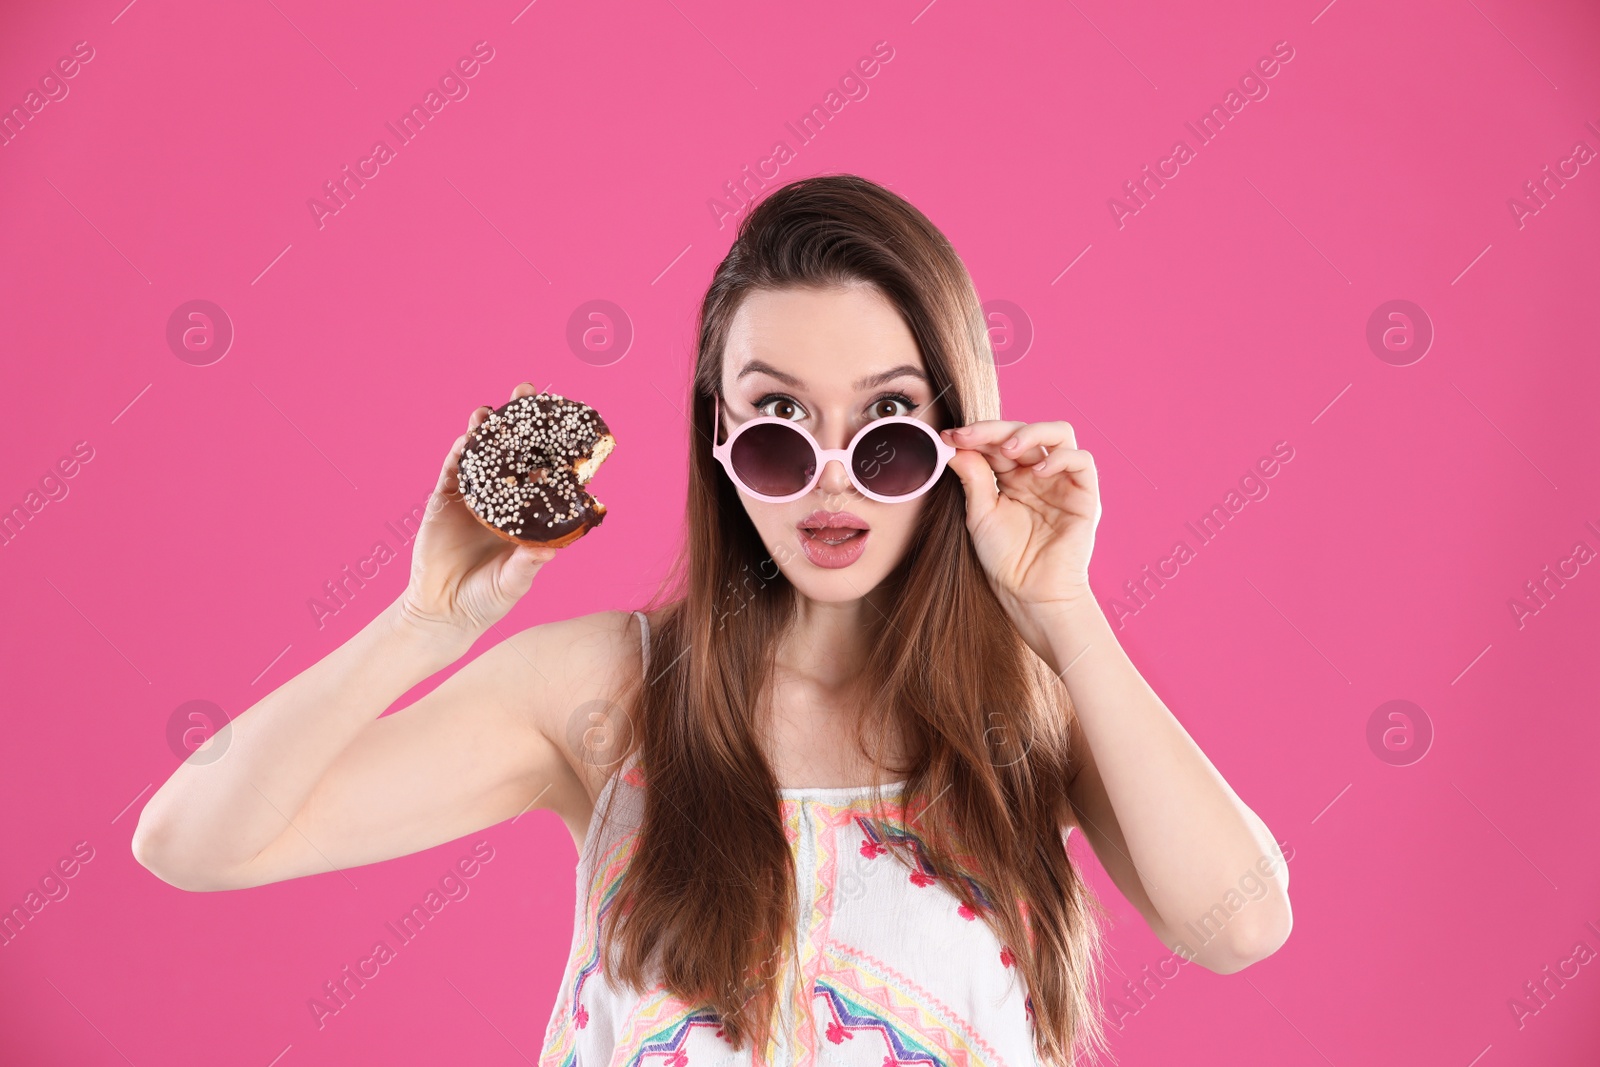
(1227,315)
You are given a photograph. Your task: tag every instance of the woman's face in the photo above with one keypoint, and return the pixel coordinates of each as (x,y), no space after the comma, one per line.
(830,360)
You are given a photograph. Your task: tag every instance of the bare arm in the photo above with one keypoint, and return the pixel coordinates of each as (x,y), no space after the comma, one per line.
(211,819)
(312,779)
(1201,867)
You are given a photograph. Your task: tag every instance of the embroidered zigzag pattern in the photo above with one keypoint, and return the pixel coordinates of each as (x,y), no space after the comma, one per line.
(879,831)
(648,1041)
(570,1015)
(911,1020)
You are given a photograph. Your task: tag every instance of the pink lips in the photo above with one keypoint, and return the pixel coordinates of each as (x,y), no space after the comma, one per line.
(833,539)
(821,520)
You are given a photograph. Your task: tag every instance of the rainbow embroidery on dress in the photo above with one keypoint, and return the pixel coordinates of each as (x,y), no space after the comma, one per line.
(657,1035)
(842,1001)
(571,1015)
(849,1018)
(878,831)
(610,878)
(860,996)
(829,820)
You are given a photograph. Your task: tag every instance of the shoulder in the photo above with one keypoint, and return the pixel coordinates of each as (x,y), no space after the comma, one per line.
(578,679)
(598,635)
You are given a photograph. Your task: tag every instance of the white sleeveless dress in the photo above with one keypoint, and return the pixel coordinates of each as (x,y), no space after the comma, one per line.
(893,969)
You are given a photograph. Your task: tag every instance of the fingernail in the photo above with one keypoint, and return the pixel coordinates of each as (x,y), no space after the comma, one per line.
(1010,444)
(1039,466)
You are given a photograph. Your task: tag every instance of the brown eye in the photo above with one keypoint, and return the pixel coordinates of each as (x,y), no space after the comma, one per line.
(890,406)
(780,407)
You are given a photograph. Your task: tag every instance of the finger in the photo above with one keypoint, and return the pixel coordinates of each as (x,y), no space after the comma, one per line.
(478,415)
(525,389)
(983,436)
(978,483)
(518,571)
(989,440)
(447,485)
(998,461)
(1038,440)
(1075,461)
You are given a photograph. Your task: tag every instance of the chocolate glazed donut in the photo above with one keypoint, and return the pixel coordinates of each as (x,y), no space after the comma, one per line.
(523,469)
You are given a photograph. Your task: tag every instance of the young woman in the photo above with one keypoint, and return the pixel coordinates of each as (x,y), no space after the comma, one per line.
(821,789)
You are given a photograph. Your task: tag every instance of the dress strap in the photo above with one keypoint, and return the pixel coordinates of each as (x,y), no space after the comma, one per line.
(644,638)
(627,768)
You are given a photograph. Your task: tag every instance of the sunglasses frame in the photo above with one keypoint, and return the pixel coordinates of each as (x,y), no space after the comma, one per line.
(723,453)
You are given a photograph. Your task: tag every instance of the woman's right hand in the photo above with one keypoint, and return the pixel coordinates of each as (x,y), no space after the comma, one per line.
(464,578)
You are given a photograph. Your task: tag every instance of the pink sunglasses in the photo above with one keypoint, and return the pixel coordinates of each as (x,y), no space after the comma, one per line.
(889,460)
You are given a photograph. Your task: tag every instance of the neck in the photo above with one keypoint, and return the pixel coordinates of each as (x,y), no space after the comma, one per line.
(827,643)
(820,662)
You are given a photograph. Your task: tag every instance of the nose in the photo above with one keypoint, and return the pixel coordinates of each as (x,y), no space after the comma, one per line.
(834,485)
(835,479)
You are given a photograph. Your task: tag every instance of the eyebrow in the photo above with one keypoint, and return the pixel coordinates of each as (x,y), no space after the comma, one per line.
(756,366)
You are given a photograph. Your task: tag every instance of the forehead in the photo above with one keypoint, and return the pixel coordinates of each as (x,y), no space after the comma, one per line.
(824,337)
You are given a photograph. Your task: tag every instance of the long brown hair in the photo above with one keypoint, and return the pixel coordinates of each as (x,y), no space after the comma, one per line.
(706,905)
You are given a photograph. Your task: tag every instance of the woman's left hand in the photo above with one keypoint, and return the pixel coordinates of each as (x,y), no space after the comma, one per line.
(1033,501)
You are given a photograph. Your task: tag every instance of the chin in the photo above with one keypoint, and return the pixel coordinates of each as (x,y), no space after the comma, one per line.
(834,589)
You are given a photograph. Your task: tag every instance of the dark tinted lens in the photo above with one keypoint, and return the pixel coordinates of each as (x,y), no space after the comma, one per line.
(895,459)
(773,459)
